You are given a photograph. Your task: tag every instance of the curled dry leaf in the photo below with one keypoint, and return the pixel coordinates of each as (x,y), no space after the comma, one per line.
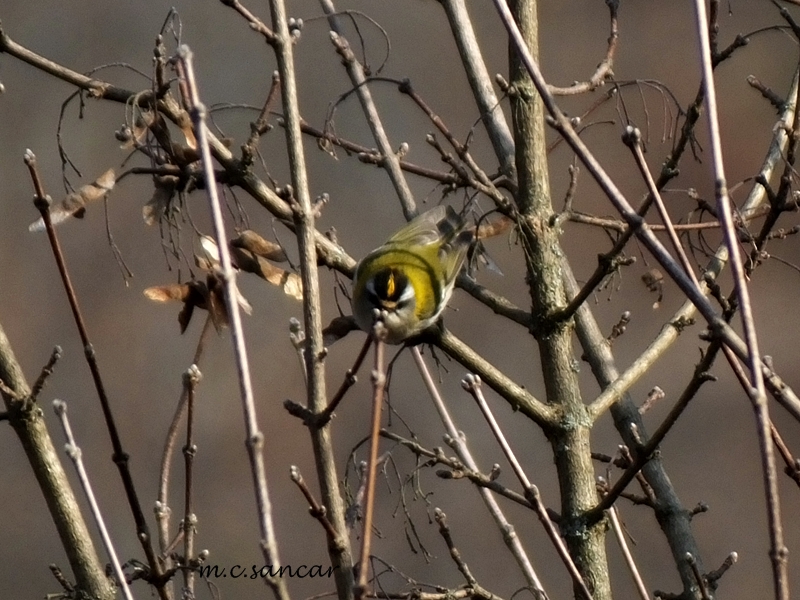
(181,154)
(654,280)
(337,329)
(75,203)
(208,295)
(250,240)
(135,135)
(494,228)
(478,256)
(248,261)
(210,249)
(185,123)
(253,254)
(192,294)
(204,264)
(156,207)
(210,262)
(246,255)
(165,293)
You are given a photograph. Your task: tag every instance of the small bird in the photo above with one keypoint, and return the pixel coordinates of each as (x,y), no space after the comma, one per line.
(411,276)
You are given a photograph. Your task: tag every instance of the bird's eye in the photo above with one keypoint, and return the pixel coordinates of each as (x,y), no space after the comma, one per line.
(370,290)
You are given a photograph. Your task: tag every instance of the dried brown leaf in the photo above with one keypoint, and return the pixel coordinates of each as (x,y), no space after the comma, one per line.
(337,329)
(185,123)
(210,249)
(203,263)
(163,194)
(207,295)
(654,280)
(75,203)
(290,283)
(140,127)
(165,293)
(250,240)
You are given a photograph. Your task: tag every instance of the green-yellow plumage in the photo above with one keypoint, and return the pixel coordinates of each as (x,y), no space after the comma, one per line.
(411,276)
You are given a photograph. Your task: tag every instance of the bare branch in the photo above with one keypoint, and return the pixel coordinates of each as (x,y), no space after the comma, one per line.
(357,77)
(29,425)
(509,536)
(604,70)
(255,439)
(120,457)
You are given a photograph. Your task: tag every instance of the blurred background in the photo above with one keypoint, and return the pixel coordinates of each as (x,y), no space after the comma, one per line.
(711,455)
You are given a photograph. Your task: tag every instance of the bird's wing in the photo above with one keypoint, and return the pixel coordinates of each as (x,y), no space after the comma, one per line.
(429,227)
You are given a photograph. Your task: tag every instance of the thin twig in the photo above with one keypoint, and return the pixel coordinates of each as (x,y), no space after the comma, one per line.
(644,452)
(371,156)
(356,73)
(604,69)
(698,577)
(755,390)
(619,226)
(458,443)
(255,439)
(444,530)
(482,180)
(626,552)
(714,576)
(463,593)
(792,464)
(724,209)
(303,219)
(481,84)
(255,23)
(472,383)
(563,552)
(624,412)
(607,264)
(316,509)
(120,457)
(519,398)
(633,139)
(191,379)
(46,372)
(685,314)
(260,126)
(162,509)
(329,252)
(457,469)
(779,553)
(494,301)
(378,388)
(349,381)
(27,421)
(74,452)
(648,239)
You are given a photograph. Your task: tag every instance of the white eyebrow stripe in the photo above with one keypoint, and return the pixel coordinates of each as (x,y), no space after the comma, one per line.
(408,293)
